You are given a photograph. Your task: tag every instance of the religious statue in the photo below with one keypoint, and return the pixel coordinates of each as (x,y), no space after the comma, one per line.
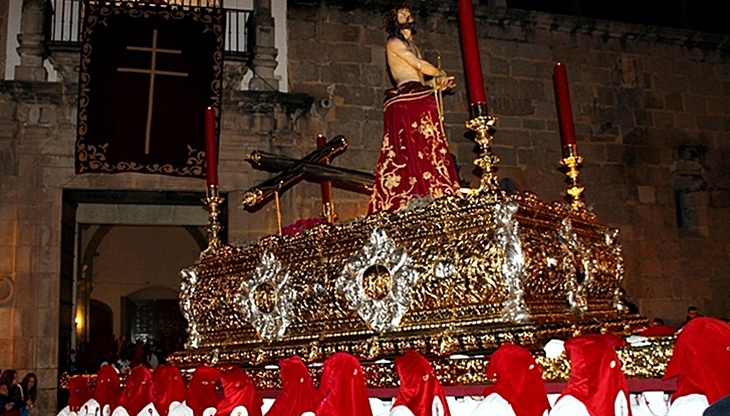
(414,156)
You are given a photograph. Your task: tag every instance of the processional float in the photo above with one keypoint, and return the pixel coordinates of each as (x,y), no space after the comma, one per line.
(454,277)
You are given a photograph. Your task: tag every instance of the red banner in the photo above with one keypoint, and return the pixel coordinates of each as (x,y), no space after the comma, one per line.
(147,74)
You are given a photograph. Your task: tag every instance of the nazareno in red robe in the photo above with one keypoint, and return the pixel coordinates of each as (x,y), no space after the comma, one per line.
(414,156)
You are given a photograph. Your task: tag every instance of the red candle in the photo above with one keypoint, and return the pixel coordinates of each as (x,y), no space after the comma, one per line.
(562,100)
(470,52)
(211,155)
(325,185)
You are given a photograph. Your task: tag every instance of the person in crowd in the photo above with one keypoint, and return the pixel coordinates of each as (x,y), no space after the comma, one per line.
(699,362)
(628,305)
(151,355)
(719,408)
(7,406)
(10,378)
(29,387)
(597,385)
(658,329)
(692,313)
(73,365)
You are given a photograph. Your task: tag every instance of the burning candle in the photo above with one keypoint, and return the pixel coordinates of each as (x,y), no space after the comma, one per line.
(470,53)
(211,156)
(562,101)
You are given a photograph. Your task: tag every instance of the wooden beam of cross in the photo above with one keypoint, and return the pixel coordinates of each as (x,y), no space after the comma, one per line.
(292,173)
(343,178)
(153,71)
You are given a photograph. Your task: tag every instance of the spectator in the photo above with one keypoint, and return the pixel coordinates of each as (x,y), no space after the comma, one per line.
(658,329)
(719,408)
(151,356)
(628,306)
(15,392)
(7,405)
(29,387)
(73,365)
(692,312)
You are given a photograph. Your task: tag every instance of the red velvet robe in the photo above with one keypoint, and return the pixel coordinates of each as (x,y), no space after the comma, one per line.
(414,156)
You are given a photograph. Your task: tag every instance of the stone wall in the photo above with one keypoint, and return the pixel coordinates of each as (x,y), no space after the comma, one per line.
(4,11)
(652,114)
(37,135)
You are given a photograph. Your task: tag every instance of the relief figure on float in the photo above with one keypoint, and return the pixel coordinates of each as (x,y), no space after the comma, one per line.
(414,156)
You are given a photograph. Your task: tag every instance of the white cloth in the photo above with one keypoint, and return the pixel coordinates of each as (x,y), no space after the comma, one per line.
(181,409)
(267,405)
(570,406)
(149,410)
(462,405)
(437,409)
(379,407)
(120,411)
(493,405)
(650,403)
(239,411)
(689,405)
(90,408)
(554,348)
(400,410)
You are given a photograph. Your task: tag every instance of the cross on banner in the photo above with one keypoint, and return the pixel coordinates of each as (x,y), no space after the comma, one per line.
(147,73)
(152,72)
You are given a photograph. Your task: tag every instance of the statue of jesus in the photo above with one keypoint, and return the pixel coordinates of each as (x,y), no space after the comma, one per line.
(414,156)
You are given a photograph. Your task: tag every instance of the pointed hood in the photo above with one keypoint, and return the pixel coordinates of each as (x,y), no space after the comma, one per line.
(238,390)
(419,386)
(596,378)
(79,392)
(701,359)
(298,394)
(169,387)
(107,390)
(202,389)
(138,391)
(343,388)
(519,380)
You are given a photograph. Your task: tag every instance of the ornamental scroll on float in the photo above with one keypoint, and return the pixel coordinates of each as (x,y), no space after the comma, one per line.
(456,276)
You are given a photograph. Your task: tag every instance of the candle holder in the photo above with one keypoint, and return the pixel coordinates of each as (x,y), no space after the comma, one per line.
(481,123)
(213,201)
(572,163)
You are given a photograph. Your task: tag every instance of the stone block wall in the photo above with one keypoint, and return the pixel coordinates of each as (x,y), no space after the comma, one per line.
(4,11)
(652,116)
(37,136)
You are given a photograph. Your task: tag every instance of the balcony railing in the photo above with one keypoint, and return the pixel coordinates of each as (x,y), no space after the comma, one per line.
(64,17)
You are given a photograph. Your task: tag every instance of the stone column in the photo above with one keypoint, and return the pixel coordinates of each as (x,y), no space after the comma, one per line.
(264,51)
(31,50)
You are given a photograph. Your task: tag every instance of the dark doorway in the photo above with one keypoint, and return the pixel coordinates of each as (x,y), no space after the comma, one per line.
(99,318)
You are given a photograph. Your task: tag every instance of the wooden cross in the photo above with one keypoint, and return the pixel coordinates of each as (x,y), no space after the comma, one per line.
(152,72)
(309,167)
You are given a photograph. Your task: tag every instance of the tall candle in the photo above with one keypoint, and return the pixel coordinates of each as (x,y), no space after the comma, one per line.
(211,154)
(326,186)
(562,101)
(470,53)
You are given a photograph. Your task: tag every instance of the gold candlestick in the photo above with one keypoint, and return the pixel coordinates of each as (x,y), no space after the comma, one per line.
(572,162)
(213,201)
(481,122)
